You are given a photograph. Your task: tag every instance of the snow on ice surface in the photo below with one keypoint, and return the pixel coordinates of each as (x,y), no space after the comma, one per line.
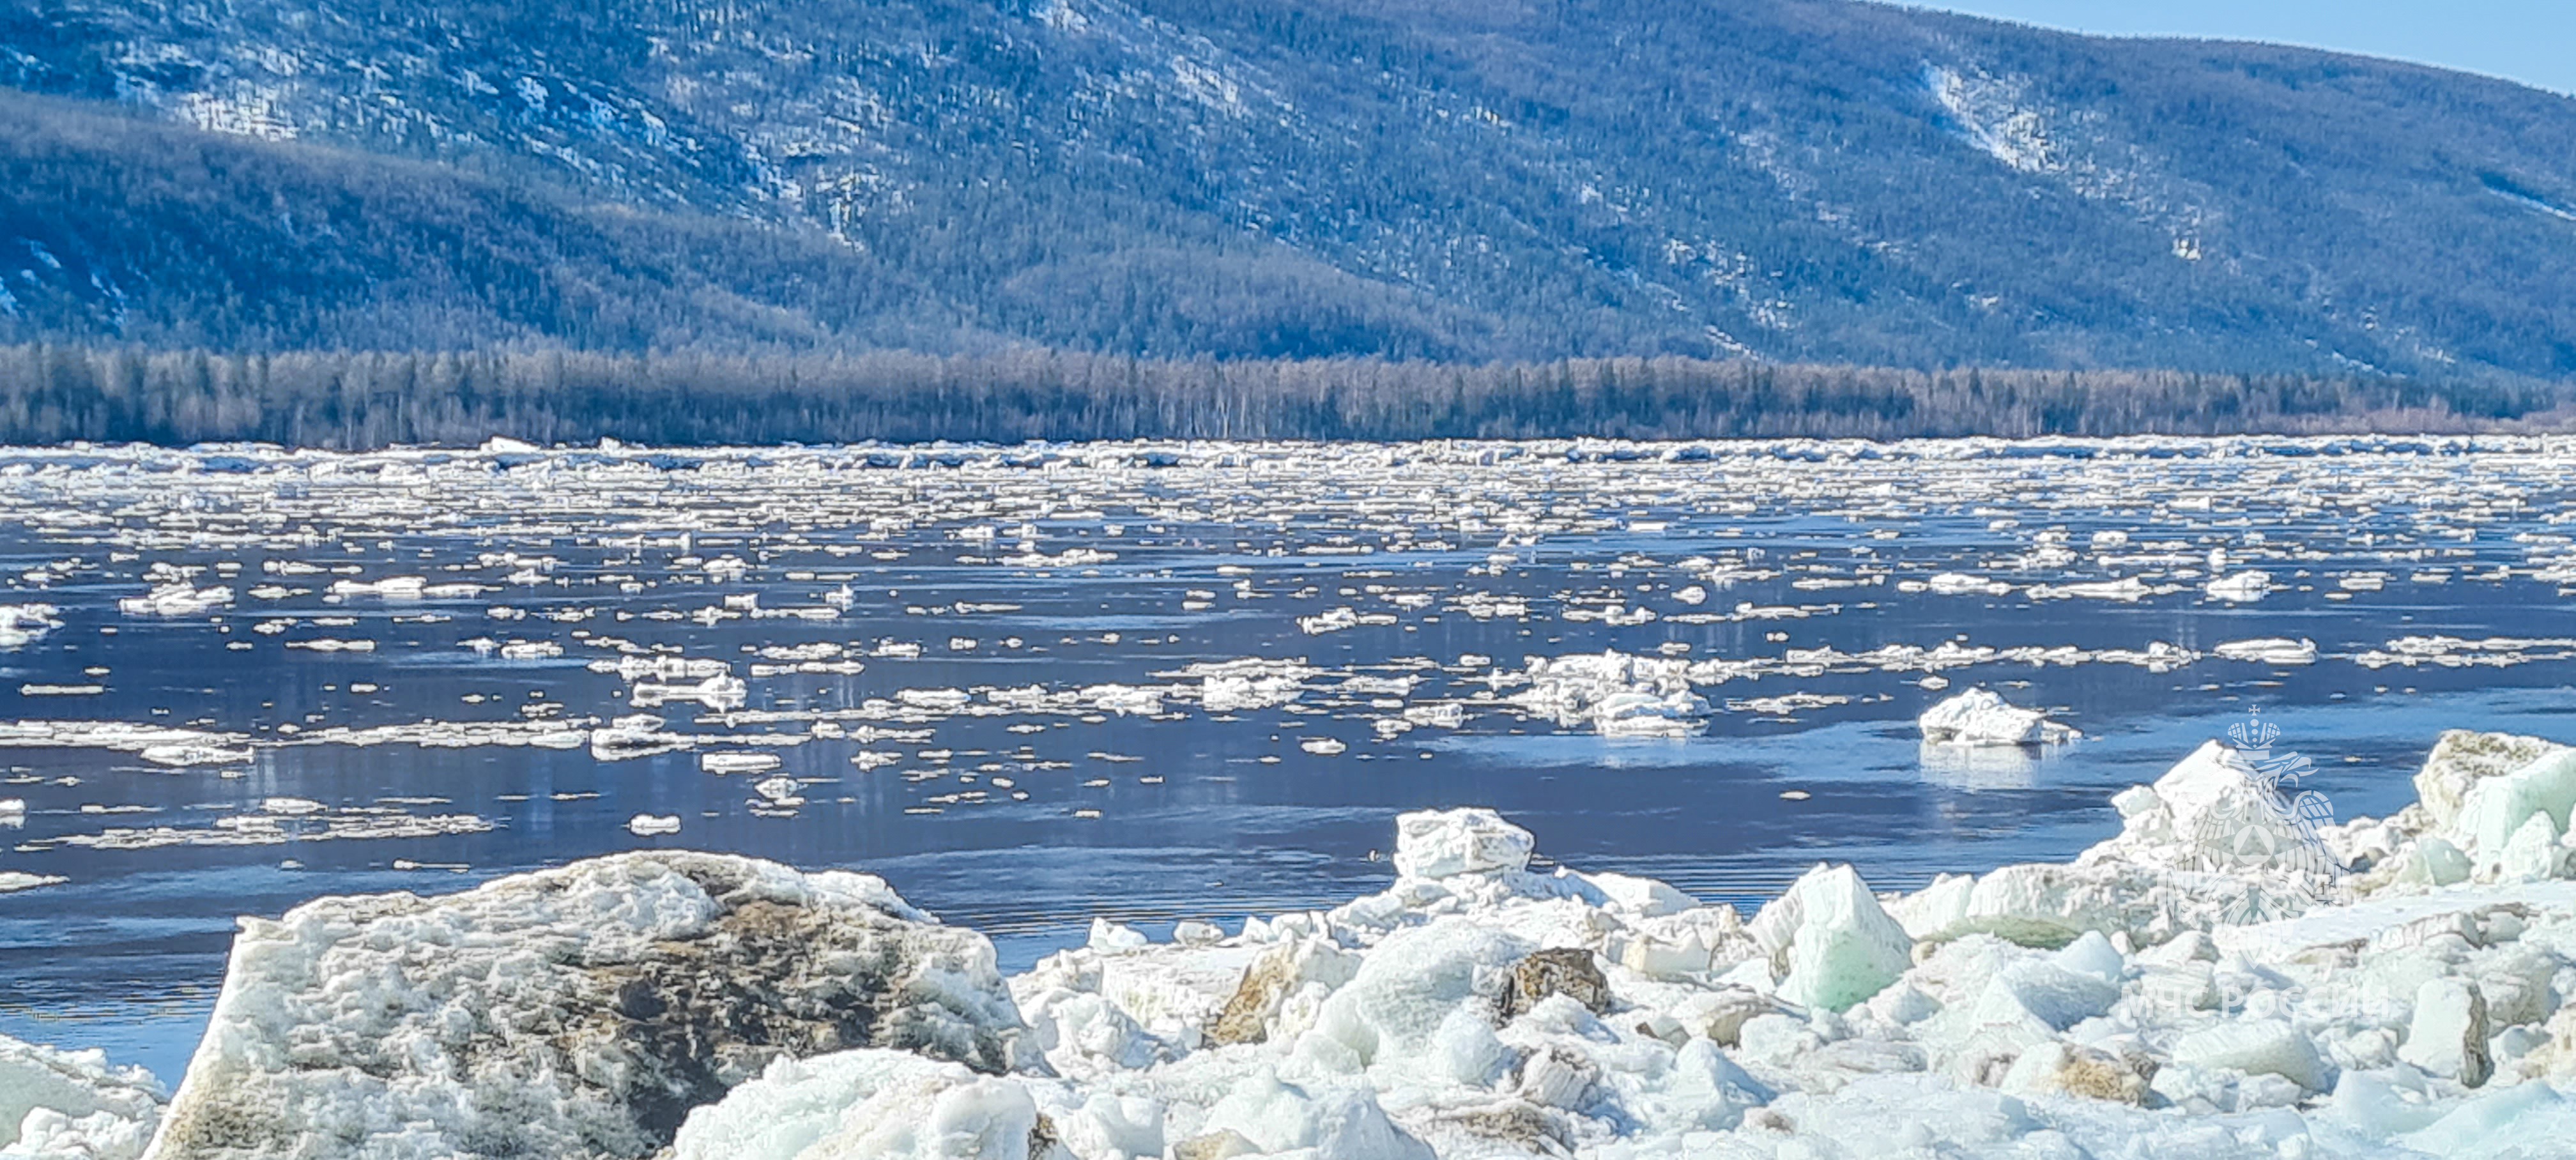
(666,606)
(1478,1009)
(574,1012)
(72,1105)
(1474,1008)
(1982,717)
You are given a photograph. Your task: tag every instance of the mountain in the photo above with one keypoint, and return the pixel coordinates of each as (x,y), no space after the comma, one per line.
(1793,180)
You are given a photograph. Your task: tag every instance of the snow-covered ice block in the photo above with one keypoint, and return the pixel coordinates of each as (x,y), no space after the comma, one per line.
(1390,1012)
(867,1104)
(579,1011)
(72,1104)
(2053,994)
(1832,941)
(2247,585)
(2495,807)
(2448,1036)
(2462,759)
(2255,1047)
(2531,1119)
(2269,650)
(1445,843)
(1315,1123)
(1983,717)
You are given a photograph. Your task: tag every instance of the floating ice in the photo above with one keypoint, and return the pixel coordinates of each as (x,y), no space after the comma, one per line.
(2240,586)
(176,599)
(2271,650)
(1615,693)
(2128,588)
(738,762)
(1962,584)
(717,692)
(195,754)
(23,623)
(1982,717)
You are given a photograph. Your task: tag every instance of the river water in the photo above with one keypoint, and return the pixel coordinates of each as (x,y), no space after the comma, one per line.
(1032,686)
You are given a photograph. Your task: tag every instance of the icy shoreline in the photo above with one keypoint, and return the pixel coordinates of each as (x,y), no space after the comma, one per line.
(2149,998)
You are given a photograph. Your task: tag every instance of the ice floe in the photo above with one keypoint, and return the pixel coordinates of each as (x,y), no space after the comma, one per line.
(22,623)
(1982,717)
(2268,650)
(1614,693)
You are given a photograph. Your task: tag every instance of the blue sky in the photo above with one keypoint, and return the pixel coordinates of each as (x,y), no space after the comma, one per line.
(2532,41)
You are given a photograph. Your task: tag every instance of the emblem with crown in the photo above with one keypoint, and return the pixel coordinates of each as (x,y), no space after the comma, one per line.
(2268,837)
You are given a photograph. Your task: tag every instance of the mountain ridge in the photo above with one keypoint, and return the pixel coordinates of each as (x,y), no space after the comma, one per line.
(1790,180)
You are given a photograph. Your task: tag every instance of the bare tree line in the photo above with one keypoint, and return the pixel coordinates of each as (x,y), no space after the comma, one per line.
(55,393)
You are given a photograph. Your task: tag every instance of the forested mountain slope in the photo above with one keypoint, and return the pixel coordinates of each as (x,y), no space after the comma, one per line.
(1807,180)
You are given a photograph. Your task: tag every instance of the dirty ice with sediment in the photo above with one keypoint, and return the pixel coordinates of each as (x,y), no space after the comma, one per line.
(1833,755)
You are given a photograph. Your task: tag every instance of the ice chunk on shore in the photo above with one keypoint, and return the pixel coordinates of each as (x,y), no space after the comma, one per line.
(1983,717)
(1325,1123)
(868,1104)
(2204,801)
(569,1012)
(2448,1036)
(2496,807)
(72,1104)
(1831,941)
(2255,1047)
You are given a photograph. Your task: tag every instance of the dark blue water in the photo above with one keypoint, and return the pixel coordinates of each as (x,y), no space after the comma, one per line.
(1223,814)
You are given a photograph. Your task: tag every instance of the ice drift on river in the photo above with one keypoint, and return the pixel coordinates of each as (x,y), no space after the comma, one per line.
(2150,998)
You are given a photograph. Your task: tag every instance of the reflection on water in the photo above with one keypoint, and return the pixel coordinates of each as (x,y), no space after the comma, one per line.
(1972,768)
